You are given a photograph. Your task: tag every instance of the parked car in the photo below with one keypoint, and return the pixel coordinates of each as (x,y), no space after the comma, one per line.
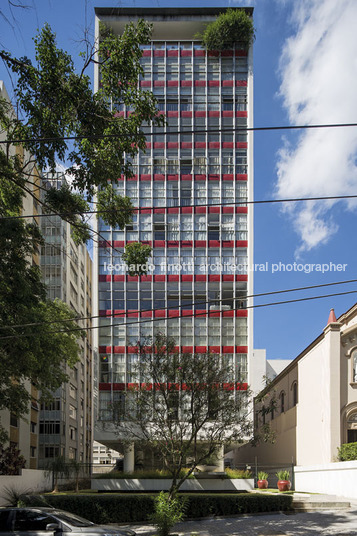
(42,521)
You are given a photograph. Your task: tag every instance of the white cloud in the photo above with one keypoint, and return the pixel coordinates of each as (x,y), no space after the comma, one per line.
(319,85)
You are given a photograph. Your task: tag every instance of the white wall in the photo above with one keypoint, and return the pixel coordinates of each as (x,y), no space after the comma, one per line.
(29,481)
(334,478)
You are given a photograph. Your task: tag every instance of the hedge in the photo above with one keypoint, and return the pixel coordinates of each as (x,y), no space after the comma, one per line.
(347,452)
(126,508)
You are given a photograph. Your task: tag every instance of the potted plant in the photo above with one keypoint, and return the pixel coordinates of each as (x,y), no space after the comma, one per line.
(262,480)
(284,483)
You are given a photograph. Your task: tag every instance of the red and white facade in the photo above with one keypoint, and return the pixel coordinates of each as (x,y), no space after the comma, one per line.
(192,188)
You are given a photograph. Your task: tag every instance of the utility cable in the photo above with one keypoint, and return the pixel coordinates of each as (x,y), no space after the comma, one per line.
(203,131)
(228,203)
(194,315)
(244,298)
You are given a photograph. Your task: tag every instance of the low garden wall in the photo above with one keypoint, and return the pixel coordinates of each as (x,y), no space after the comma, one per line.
(163,484)
(334,478)
(30,480)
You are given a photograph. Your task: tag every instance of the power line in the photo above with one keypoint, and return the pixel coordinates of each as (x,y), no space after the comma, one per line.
(283,291)
(193,315)
(228,203)
(203,131)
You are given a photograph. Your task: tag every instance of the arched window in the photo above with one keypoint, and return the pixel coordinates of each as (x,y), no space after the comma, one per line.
(282,402)
(295,393)
(352,427)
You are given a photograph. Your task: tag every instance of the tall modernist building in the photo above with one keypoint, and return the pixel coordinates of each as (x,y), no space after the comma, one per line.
(65,424)
(191,185)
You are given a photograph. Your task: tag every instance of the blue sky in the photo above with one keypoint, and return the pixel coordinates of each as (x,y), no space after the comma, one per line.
(304,72)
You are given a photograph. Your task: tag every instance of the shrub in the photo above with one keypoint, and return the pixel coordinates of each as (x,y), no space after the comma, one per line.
(127,508)
(262,475)
(238,473)
(347,452)
(234,26)
(283,475)
(167,513)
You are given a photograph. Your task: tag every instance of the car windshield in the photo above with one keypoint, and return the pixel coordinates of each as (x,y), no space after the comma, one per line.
(72,519)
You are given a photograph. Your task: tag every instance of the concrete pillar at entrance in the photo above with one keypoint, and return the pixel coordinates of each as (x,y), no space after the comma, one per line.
(129,458)
(220,459)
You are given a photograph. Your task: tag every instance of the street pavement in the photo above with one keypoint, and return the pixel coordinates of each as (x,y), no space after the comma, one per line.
(303,524)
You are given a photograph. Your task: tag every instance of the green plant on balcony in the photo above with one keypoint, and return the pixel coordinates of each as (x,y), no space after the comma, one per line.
(233,27)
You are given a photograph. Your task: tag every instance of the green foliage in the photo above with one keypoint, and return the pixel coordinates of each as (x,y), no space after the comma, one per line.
(134,508)
(154,473)
(113,208)
(12,496)
(58,102)
(262,475)
(238,473)
(11,461)
(347,452)
(233,27)
(69,204)
(167,512)
(136,256)
(283,475)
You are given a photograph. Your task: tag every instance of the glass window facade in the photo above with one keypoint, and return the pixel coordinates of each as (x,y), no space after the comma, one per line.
(195,172)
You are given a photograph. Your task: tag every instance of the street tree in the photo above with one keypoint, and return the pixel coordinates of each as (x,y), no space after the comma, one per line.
(185,406)
(61,120)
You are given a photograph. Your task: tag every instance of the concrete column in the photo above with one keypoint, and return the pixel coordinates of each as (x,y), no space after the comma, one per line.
(332,336)
(129,458)
(220,459)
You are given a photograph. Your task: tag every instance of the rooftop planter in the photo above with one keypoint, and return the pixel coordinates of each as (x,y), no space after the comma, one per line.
(231,28)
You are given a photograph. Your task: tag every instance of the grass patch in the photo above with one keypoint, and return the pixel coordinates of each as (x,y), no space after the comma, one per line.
(161,473)
(155,473)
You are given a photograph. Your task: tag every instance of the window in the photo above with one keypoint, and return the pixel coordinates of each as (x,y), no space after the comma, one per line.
(295,393)
(72,411)
(33,427)
(282,402)
(352,428)
(29,521)
(14,421)
(4,521)
(49,427)
(72,391)
(32,452)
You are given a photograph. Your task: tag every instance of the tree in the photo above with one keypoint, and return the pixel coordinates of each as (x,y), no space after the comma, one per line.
(186,406)
(56,103)
(11,461)
(58,468)
(75,468)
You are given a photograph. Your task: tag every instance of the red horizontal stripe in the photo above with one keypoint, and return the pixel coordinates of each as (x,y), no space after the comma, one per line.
(164,313)
(186,277)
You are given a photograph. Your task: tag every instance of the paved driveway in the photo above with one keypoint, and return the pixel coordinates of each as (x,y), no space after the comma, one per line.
(306,524)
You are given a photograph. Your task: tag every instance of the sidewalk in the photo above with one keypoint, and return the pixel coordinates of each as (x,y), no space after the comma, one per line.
(309,524)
